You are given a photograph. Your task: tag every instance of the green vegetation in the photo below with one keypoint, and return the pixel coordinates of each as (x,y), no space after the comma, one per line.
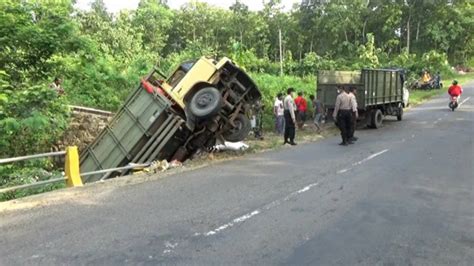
(419,96)
(101,56)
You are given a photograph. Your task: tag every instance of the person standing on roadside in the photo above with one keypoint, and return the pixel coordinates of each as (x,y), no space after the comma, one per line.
(353,94)
(290,118)
(302,107)
(56,86)
(318,112)
(257,117)
(344,108)
(278,111)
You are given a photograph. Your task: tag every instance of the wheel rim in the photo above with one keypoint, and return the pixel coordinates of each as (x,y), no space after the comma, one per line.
(238,126)
(204,100)
(379,118)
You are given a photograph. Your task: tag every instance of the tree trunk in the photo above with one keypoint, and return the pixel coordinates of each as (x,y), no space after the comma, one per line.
(417,31)
(363,30)
(408,33)
(281,53)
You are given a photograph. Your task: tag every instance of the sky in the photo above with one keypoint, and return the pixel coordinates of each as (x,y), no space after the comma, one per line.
(117,5)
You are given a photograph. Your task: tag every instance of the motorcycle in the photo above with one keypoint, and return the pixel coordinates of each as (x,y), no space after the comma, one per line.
(453,103)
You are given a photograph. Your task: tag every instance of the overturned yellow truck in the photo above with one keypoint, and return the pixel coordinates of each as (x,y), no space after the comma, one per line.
(171,118)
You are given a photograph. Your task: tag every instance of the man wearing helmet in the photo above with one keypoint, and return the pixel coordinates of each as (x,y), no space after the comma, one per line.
(455,90)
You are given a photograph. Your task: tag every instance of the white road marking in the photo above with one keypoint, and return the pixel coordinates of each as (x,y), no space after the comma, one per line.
(306,188)
(342,171)
(370,157)
(465,100)
(237,220)
(249,215)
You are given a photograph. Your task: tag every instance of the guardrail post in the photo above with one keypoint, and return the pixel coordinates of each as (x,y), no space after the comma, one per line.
(71,167)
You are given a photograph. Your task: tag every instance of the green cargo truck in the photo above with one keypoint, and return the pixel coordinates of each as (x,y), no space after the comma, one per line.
(380,92)
(172,118)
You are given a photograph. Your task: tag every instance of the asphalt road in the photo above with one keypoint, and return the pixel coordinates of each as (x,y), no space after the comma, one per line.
(403,195)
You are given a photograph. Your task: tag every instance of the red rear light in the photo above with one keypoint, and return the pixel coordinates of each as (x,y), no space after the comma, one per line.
(147,86)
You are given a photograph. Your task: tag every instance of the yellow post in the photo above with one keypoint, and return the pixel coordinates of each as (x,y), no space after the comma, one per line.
(72,167)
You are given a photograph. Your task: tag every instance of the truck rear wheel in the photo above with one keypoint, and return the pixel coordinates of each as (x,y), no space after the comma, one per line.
(241,130)
(400,114)
(206,103)
(377,118)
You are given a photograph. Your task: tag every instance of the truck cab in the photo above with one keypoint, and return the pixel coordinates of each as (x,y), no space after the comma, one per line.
(212,94)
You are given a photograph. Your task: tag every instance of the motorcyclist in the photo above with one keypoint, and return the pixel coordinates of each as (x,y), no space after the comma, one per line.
(455,90)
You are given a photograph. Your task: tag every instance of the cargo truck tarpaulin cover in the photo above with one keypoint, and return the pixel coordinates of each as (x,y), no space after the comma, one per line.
(380,92)
(203,102)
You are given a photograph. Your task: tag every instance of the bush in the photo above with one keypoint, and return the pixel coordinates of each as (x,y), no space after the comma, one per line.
(432,61)
(31,120)
(27,173)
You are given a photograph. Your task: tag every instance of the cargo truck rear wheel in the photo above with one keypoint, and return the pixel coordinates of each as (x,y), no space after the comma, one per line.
(206,103)
(240,131)
(377,118)
(400,114)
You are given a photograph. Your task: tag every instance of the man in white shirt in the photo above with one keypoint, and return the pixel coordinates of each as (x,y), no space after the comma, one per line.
(278,111)
(290,118)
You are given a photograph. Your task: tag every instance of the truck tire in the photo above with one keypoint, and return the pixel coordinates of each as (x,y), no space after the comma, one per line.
(240,132)
(400,114)
(205,103)
(377,118)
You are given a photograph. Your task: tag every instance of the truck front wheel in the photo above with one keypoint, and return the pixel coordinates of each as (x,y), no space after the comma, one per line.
(240,131)
(206,103)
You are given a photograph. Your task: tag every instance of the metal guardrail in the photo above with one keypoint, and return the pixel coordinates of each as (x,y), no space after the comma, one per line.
(29,157)
(71,168)
(132,166)
(83,109)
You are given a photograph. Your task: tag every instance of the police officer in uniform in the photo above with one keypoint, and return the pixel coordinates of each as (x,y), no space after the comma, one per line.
(344,108)
(289,107)
(353,93)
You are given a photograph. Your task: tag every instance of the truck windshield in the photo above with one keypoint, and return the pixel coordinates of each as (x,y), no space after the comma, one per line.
(179,74)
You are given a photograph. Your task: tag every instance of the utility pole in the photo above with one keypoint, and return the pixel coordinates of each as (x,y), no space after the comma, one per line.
(281,53)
